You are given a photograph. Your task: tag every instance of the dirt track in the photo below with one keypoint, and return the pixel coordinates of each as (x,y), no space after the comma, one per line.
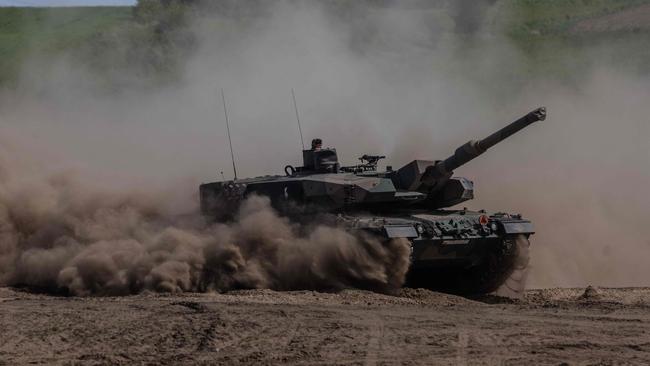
(352,327)
(634,18)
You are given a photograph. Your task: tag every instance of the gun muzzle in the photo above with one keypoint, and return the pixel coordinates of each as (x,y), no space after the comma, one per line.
(538,114)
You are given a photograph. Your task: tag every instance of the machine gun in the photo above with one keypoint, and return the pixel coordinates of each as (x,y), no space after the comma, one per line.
(368,163)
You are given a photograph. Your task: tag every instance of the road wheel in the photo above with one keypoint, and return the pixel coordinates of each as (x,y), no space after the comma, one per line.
(503,271)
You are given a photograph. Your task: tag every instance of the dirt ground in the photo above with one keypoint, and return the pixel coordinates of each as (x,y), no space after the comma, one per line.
(635,18)
(554,326)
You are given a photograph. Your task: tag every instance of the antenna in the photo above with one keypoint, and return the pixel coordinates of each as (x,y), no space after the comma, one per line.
(225,111)
(295,107)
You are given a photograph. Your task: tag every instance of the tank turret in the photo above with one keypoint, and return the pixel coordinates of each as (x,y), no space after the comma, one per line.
(322,184)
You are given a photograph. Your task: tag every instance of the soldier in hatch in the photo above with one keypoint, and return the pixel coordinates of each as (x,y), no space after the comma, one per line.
(316,144)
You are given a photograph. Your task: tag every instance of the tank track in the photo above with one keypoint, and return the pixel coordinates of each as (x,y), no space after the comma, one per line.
(501,270)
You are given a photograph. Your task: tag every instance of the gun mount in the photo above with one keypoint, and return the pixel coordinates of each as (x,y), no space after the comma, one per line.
(368,163)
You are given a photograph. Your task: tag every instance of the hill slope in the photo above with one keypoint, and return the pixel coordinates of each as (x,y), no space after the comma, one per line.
(27,31)
(558,37)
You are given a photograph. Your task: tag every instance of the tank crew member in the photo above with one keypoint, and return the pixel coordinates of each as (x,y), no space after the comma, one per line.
(316,144)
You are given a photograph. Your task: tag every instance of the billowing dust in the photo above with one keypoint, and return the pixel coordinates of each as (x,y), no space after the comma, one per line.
(411,91)
(60,235)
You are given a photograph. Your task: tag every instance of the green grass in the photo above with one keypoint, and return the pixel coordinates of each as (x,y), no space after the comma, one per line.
(556,16)
(47,31)
(542,31)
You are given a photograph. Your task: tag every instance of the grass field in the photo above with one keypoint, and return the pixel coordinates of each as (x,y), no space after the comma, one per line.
(545,30)
(552,17)
(28,31)
(542,29)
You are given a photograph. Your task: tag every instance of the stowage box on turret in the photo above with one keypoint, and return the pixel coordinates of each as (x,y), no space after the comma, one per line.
(457,251)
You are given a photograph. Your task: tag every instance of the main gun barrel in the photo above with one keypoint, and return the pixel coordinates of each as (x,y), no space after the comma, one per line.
(474,148)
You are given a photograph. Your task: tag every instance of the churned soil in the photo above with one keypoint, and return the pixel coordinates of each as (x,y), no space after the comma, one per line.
(634,18)
(551,326)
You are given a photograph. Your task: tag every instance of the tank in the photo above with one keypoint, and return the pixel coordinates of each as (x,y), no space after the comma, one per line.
(453,250)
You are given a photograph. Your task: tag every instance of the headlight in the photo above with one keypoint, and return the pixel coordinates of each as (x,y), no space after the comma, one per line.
(483,220)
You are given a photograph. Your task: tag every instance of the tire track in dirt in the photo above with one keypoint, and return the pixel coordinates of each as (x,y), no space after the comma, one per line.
(287,336)
(375,334)
(462,347)
(305,328)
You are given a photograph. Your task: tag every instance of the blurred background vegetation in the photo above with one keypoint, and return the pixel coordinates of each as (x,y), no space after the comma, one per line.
(145,46)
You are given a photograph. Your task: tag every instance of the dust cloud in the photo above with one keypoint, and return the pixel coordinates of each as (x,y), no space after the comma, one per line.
(582,180)
(390,80)
(60,235)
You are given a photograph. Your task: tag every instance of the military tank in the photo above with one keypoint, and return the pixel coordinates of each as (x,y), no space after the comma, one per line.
(452,250)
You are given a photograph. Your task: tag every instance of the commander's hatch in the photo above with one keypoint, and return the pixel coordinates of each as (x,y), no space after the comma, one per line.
(320,161)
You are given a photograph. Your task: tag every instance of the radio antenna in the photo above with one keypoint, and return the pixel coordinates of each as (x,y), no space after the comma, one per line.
(232,154)
(295,107)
